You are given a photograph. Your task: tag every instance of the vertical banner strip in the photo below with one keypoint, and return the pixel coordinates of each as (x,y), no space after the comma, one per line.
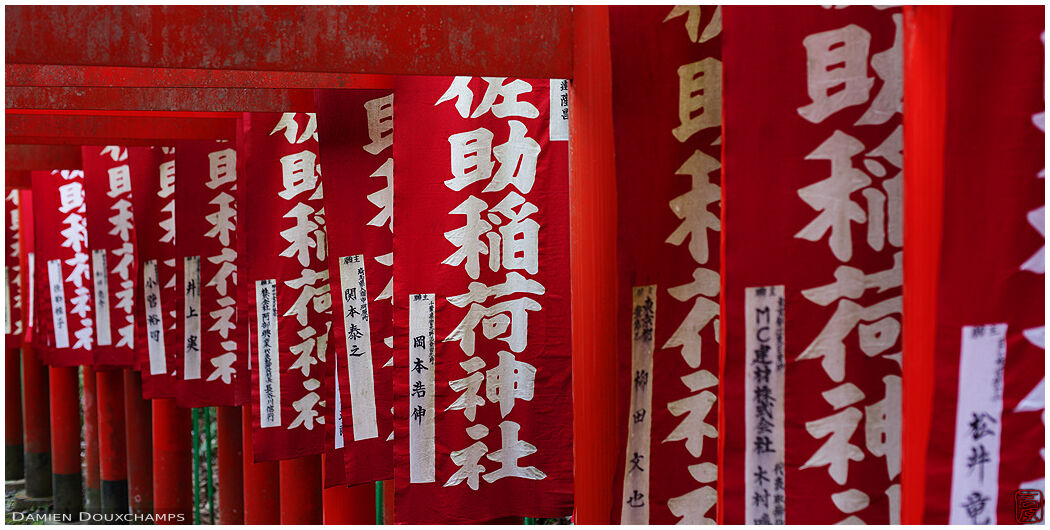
(421,366)
(764,405)
(158,363)
(978,421)
(58,303)
(358,346)
(192,317)
(269,363)
(100,278)
(639,418)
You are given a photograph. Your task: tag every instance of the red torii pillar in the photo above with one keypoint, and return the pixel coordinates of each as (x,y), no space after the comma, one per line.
(262,500)
(65,439)
(112,441)
(172,465)
(93,495)
(300,490)
(926,35)
(14,450)
(138,415)
(37,424)
(231,466)
(592,216)
(35,387)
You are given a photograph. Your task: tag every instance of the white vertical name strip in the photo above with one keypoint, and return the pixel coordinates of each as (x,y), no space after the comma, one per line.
(100,279)
(269,361)
(338,406)
(358,346)
(421,364)
(191,282)
(978,421)
(158,362)
(32,286)
(764,405)
(7,300)
(58,303)
(639,417)
(559,125)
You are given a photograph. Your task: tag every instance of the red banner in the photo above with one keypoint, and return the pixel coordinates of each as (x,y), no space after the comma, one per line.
(357,131)
(111,240)
(812,163)
(286,263)
(206,264)
(987,434)
(482,385)
(153,192)
(667,108)
(14,328)
(64,265)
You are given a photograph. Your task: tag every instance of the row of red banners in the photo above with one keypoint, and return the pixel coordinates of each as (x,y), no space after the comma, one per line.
(759,345)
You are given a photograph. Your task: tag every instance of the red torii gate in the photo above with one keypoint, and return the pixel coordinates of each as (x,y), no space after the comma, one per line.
(81,75)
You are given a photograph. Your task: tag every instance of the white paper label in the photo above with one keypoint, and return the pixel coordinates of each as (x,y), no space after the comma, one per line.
(559,129)
(338,405)
(269,361)
(639,416)
(32,286)
(358,346)
(58,303)
(158,362)
(191,350)
(100,279)
(978,422)
(7,300)
(764,405)
(421,364)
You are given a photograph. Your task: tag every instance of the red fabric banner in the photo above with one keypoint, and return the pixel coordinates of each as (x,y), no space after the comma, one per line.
(14,326)
(286,263)
(987,434)
(111,236)
(356,128)
(212,355)
(63,267)
(153,192)
(482,385)
(811,359)
(667,107)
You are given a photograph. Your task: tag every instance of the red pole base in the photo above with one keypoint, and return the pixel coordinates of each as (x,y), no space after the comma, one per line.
(388,502)
(231,462)
(91,479)
(112,444)
(14,450)
(138,414)
(65,439)
(172,465)
(262,500)
(354,505)
(37,423)
(301,497)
